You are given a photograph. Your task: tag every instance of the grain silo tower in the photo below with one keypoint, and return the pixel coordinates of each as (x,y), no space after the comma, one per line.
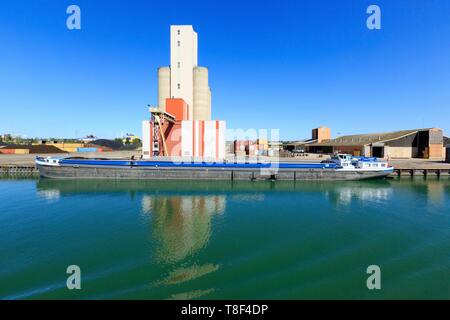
(163,86)
(184,78)
(181,125)
(202,94)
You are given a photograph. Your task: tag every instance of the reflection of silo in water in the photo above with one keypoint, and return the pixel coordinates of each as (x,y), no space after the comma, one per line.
(182,224)
(435,191)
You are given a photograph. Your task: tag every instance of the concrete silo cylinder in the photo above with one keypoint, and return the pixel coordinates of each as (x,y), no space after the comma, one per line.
(202,94)
(163,86)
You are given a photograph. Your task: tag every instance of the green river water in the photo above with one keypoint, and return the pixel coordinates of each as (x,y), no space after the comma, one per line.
(225,240)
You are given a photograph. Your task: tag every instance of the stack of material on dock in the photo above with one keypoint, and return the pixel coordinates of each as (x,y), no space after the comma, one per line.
(30,149)
(64,146)
(106,145)
(45,149)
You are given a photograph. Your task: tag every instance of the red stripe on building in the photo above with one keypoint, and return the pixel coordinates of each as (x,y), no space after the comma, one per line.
(217,139)
(193,138)
(202,137)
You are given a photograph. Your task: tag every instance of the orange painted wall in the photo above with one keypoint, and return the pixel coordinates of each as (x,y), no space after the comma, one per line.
(14,151)
(172,136)
(321,133)
(178,108)
(435,151)
(7,151)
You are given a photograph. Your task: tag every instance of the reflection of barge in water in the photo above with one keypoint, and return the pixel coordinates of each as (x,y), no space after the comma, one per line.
(340,167)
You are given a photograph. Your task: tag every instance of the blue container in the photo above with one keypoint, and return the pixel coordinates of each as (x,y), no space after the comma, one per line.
(86,149)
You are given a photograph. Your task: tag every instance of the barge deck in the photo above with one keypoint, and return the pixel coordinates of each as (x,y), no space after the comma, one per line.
(67,168)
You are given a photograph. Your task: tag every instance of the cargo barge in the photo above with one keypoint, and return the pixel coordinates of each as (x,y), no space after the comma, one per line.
(339,167)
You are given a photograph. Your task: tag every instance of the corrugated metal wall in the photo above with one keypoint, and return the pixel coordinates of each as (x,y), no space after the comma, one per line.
(436,136)
(447,154)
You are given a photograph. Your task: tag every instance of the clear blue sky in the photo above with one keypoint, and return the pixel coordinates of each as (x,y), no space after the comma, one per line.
(292,65)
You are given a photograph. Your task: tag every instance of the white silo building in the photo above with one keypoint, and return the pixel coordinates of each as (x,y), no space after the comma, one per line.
(181,125)
(184,78)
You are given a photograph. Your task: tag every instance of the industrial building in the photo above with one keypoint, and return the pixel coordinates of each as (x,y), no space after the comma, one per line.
(320,134)
(317,136)
(184,78)
(416,143)
(181,125)
(258,147)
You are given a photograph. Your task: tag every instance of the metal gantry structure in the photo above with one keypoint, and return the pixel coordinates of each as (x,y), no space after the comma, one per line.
(159,117)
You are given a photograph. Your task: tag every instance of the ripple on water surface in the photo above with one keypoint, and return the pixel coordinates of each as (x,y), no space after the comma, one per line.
(199,240)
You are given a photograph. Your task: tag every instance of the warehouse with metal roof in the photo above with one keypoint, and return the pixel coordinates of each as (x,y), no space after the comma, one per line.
(416,143)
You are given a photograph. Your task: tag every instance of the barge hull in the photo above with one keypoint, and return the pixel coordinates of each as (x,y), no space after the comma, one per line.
(160,173)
